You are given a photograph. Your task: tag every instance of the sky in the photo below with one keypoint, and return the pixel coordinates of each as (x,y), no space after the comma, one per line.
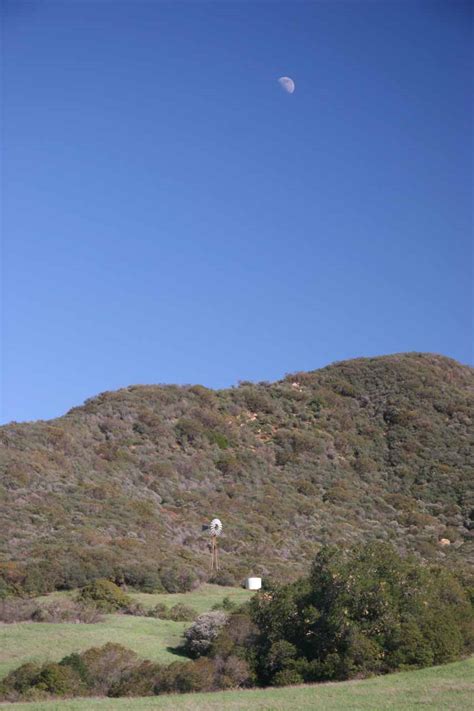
(172,215)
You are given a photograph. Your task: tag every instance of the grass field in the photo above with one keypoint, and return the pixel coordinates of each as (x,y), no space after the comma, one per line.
(201,600)
(40,642)
(148,637)
(446,688)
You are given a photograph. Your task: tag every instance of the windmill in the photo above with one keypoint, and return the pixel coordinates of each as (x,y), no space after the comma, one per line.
(214,529)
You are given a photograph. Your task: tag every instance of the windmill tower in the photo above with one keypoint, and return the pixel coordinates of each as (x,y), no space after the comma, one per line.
(214,529)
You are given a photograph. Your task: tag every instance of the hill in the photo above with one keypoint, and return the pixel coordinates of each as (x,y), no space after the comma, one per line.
(378,447)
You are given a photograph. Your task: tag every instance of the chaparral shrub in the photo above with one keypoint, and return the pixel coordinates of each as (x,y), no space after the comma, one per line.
(182,613)
(199,637)
(140,680)
(178,578)
(105,595)
(58,680)
(106,665)
(31,681)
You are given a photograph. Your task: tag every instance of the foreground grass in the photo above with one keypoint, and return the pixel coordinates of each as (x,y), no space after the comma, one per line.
(149,638)
(445,688)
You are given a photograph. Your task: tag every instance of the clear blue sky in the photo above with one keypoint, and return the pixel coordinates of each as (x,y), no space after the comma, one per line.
(172,215)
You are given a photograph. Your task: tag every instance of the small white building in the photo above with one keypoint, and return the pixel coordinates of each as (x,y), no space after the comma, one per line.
(253,583)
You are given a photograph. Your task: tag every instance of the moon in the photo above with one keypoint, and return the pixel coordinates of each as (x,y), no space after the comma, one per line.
(287,84)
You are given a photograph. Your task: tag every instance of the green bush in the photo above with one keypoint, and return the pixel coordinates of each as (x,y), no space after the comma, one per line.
(178,613)
(281,656)
(142,578)
(4,589)
(178,578)
(217,438)
(188,430)
(160,611)
(141,680)
(232,672)
(32,680)
(226,605)
(105,595)
(18,681)
(286,677)
(223,577)
(408,646)
(105,666)
(182,613)
(76,662)
(59,680)
(185,677)
(239,635)
(135,608)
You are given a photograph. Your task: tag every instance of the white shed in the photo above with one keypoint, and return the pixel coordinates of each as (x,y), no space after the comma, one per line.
(253,583)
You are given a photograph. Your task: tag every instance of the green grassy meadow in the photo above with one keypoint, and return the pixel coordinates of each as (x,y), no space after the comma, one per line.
(150,638)
(201,599)
(42,641)
(446,688)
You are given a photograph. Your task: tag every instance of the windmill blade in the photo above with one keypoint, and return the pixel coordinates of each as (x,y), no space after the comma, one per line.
(215,528)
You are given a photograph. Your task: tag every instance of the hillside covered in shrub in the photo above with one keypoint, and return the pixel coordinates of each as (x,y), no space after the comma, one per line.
(373,448)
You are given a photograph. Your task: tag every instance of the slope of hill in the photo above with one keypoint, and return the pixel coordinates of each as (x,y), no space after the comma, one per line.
(379,447)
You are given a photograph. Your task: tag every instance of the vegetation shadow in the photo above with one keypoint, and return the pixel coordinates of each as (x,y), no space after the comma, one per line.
(178,651)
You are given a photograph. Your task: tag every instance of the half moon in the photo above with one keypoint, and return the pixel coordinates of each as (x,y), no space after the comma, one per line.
(287,84)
